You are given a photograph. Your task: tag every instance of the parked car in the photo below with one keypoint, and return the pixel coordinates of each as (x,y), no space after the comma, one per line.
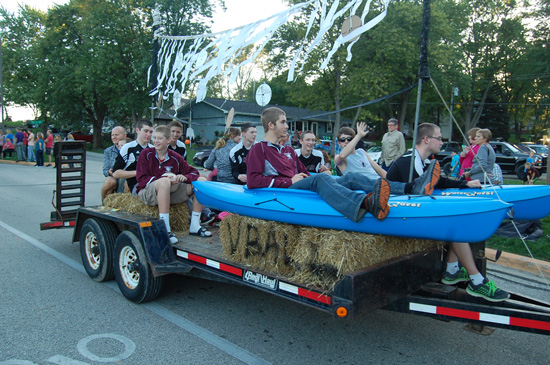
(375,152)
(79,136)
(539,149)
(201,156)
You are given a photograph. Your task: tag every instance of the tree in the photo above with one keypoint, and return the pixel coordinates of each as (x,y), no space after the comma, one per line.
(21,67)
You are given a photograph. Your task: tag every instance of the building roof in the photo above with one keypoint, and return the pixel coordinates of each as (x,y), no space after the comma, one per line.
(248,108)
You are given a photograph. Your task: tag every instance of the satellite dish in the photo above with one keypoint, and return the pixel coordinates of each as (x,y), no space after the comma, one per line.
(350,24)
(263,94)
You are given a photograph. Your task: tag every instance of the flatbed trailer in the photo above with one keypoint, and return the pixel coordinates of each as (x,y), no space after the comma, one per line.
(135,250)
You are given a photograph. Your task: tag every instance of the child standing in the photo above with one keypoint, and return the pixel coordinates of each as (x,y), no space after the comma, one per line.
(455,164)
(39,149)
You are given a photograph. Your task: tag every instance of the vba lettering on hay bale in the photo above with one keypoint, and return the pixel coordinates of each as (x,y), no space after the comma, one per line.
(127,202)
(311,256)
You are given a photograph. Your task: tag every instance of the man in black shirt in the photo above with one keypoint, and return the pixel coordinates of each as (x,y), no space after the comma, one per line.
(240,151)
(312,159)
(428,142)
(126,161)
(176,145)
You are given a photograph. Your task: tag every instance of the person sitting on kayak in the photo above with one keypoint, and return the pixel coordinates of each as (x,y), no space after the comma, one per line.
(357,160)
(272,165)
(428,142)
(313,159)
(164,178)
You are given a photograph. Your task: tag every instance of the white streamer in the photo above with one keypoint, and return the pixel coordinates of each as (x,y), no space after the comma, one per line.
(215,53)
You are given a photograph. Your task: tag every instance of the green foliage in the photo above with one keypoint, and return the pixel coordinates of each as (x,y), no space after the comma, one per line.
(85,62)
(539,248)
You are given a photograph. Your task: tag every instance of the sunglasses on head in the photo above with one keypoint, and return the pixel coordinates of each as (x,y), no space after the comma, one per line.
(345,139)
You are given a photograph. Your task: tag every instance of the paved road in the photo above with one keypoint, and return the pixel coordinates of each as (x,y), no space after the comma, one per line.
(51,312)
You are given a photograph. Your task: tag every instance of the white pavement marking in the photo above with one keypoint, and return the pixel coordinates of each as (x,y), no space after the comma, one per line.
(209,337)
(129,347)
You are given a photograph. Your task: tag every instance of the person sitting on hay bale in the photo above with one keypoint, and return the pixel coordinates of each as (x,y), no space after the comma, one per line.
(272,165)
(429,143)
(163,177)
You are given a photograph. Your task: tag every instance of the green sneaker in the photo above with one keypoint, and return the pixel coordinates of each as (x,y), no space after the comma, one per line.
(458,277)
(488,290)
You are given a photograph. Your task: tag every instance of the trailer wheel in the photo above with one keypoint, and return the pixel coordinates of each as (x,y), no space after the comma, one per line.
(132,272)
(97,239)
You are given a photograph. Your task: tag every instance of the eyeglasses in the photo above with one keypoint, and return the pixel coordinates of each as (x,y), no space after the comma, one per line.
(438,138)
(345,139)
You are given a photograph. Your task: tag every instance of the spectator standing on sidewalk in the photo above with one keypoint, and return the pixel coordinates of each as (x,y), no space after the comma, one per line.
(19,144)
(30,147)
(49,146)
(39,149)
(393,144)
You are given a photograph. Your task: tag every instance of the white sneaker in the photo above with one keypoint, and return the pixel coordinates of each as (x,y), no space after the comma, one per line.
(173,238)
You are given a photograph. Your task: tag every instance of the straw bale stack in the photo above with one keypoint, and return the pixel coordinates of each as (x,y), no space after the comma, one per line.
(179,213)
(307,255)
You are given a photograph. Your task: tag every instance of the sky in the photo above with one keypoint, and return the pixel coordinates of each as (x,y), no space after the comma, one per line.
(239,12)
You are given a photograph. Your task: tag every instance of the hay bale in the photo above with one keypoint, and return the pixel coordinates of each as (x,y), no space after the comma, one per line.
(258,243)
(179,213)
(325,256)
(307,255)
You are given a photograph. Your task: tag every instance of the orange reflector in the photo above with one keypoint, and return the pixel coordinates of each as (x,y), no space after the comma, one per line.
(145,224)
(341,312)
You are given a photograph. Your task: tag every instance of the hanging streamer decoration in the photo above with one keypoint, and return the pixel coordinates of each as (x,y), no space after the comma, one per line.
(184,61)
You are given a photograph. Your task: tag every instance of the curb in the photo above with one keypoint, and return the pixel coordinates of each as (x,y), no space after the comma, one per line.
(17,163)
(518,262)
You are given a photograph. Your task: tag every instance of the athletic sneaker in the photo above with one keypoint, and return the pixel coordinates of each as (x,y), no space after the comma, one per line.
(459,276)
(173,238)
(425,184)
(488,290)
(377,201)
(207,218)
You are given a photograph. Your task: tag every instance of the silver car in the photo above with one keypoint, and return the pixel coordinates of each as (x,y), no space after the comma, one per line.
(375,152)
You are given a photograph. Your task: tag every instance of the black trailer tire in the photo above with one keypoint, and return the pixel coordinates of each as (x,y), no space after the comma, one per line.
(97,240)
(133,274)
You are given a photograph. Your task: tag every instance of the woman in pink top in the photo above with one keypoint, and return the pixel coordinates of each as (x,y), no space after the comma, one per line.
(49,146)
(467,155)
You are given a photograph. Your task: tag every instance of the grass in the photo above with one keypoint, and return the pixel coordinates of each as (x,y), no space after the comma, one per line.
(539,248)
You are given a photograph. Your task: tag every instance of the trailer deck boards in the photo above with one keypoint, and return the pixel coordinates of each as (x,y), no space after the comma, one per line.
(205,246)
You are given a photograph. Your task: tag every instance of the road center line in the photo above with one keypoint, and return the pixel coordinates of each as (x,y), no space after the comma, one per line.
(209,337)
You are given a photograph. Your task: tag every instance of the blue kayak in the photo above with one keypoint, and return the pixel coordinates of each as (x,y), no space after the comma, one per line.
(444,218)
(530,201)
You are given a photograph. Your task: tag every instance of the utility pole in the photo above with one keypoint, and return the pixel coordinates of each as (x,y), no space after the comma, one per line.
(453,94)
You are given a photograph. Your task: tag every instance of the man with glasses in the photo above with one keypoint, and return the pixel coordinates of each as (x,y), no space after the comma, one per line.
(428,143)
(393,144)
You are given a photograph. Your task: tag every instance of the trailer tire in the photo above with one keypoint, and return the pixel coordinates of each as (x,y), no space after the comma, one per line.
(97,239)
(133,274)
